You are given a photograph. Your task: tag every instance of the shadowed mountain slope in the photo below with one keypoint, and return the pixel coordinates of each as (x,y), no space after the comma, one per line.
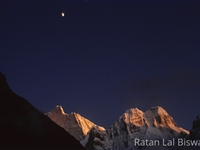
(24,127)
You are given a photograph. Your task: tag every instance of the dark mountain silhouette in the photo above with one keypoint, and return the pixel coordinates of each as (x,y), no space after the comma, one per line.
(195,132)
(22,126)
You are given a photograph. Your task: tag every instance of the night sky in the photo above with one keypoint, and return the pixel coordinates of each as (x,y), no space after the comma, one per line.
(103,57)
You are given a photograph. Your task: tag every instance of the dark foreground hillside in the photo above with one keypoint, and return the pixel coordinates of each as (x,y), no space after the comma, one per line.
(22,126)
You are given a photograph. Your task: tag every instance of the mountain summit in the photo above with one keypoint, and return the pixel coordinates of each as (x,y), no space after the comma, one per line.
(24,127)
(158,117)
(73,123)
(154,124)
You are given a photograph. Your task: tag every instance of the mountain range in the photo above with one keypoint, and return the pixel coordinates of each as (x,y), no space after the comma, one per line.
(132,126)
(24,127)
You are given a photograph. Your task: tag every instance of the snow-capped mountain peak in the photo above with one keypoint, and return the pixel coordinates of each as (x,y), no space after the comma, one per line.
(158,117)
(58,110)
(74,123)
(134,116)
